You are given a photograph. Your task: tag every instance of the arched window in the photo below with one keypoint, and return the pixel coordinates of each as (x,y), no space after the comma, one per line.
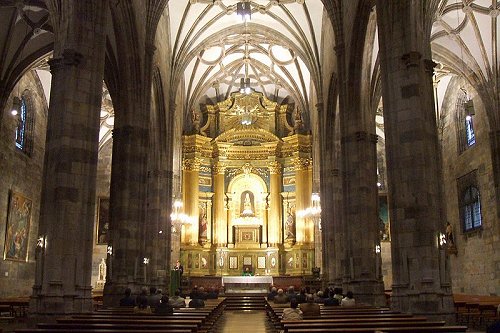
(465,123)
(24,127)
(471,209)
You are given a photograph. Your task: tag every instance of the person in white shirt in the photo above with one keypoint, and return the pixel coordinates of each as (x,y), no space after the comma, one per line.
(348,300)
(292,313)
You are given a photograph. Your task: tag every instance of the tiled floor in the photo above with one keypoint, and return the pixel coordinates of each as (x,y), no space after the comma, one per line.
(243,322)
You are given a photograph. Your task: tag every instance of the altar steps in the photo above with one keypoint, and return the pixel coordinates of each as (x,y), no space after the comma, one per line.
(245,302)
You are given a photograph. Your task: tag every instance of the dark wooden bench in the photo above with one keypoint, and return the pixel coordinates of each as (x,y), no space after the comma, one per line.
(431,329)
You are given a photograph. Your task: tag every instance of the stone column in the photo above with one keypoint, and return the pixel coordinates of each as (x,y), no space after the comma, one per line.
(275,207)
(64,265)
(361,262)
(420,275)
(220,216)
(190,192)
(303,188)
(495,159)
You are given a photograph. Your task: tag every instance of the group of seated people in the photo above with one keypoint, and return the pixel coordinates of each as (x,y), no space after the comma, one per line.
(305,304)
(161,304)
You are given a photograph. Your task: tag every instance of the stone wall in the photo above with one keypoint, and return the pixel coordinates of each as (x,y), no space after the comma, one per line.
(21,174)
(475,269)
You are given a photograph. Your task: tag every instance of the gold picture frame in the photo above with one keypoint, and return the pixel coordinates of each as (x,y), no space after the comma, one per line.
(17,228)
(233,262)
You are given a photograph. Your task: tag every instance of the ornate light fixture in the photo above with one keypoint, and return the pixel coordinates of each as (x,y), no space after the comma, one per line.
(244,10)
(314,211)
(178,217)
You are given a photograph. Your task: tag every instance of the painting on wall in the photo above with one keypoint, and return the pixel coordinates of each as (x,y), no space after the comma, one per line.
(18,227)
(261,262)
(102,220)
(233,262)
(384,225)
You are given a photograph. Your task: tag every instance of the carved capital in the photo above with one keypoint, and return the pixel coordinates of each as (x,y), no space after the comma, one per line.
(274,167)
(218,168)
(411,59)
(192,164)
(69,57)
(302,163)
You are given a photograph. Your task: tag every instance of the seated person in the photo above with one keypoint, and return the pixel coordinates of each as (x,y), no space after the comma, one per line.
(197,303)
(154,297)
(272,293)
(280,297)
(247,272)
(164,308)
(177,301)
(348,300)
(127,300)
(202,294)
(195,293)
(319,297)
(292,313)
(291,293)
(337,294)
(212,293)
(331,300)
(301,297)
(310,309)
(142,299)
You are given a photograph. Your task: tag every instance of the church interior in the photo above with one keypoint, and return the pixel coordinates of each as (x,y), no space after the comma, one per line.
(319,143)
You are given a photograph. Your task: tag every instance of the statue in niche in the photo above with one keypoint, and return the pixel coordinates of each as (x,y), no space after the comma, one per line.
(195,118)
(102,270)
(247,203)
(299,122)
(203,222)
(290,225)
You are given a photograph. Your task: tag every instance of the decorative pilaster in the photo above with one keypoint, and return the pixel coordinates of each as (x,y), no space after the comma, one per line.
(220,216)
(190,191)
(303,190)
(275,209)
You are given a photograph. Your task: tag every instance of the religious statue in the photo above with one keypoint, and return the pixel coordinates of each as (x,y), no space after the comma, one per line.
(203,223)
(102,270)
(247,206)
(450,241)
(195,118)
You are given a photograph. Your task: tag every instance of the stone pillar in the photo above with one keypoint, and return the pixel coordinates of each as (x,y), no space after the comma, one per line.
(495,159)
(361,262)
(275,205)
(190,192)
(420,274)
(220,216)
(303,188)
(64,265)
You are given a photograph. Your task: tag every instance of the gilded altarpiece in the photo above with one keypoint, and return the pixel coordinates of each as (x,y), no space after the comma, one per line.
(244,164)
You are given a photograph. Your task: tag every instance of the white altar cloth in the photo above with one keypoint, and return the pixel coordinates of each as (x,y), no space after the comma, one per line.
(247,279)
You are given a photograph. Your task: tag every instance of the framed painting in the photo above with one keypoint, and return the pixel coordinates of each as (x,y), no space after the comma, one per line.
(261,262)
(18,227)
(233,262)
(102,221)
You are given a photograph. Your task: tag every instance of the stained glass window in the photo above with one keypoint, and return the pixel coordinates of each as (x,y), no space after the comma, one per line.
(471,209)
(21,126)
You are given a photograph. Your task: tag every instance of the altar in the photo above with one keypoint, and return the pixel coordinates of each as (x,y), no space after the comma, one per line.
(247,284)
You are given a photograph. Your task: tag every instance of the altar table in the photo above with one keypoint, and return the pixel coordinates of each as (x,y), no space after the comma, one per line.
(243,284)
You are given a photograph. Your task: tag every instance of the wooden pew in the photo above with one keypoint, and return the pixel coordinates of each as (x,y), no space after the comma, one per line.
(431,329)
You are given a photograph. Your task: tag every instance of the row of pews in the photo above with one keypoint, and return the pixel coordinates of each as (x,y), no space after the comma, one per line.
(114,320)
(476,310)
(360,319)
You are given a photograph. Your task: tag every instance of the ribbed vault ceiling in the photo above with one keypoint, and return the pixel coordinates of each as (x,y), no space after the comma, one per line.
(278,49)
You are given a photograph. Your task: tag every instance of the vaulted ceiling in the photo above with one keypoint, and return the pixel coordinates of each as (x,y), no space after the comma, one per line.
(278,48)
